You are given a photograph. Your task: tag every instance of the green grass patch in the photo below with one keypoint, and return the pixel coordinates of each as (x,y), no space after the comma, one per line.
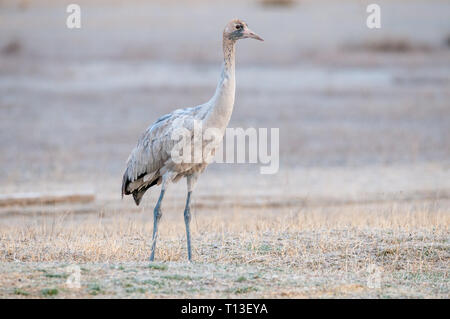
(434,277)
(94,289)
(49,275)
(264,248)
(245,290)
(177,277)
(158,266)
(136,289)
(151,282)
(21,292)
(241,279)
(48,292)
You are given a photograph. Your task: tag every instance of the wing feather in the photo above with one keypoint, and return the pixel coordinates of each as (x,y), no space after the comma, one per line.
(153,148)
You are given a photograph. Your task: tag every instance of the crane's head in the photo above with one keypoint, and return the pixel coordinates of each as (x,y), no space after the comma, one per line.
(237,29)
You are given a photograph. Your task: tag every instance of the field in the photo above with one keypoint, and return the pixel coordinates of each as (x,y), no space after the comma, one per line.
(252,252)
(360,206)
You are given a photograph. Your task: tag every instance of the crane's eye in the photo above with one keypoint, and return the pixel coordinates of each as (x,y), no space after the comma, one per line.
(239,27)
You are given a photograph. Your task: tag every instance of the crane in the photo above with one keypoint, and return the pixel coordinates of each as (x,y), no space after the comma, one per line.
(151,162)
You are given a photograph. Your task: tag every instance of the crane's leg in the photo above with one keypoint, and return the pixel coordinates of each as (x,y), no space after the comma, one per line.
(156,217)
(187,220)
(191,181)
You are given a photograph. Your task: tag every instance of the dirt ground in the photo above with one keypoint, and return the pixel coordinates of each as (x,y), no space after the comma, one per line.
(360,206)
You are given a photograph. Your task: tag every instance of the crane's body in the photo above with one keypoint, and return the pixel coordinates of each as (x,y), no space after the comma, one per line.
(151,161)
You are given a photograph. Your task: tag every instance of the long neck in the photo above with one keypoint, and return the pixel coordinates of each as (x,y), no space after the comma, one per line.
(221,104)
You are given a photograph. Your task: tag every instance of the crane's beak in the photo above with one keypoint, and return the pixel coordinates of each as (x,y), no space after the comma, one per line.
(250,34)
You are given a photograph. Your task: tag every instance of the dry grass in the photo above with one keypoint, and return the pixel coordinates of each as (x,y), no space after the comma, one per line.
(309,252)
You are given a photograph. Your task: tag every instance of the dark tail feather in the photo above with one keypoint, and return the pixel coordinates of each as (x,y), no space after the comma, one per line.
(137,194)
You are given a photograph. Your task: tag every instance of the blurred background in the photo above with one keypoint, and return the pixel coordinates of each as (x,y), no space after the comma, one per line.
(363,113)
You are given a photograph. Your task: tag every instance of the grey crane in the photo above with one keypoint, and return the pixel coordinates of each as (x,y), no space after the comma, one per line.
(151,162)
